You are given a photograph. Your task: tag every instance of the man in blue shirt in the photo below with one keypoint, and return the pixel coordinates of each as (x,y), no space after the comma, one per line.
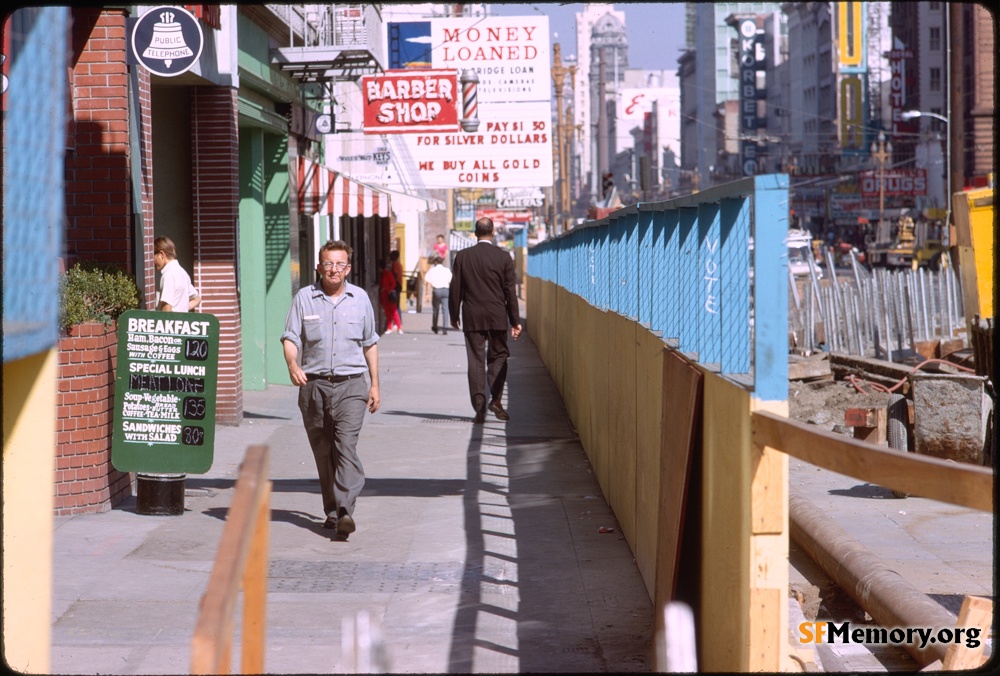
(331,325)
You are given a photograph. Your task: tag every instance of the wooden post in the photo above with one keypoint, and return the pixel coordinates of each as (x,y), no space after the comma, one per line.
(240,560)
(869,424)
(976,613)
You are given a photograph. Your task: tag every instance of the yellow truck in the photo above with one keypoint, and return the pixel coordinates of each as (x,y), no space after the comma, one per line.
(913,245)
(973,237)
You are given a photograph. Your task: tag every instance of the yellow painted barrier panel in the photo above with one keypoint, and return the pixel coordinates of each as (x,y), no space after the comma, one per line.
(600,421)
(621,355)
(649,431)
(973,211)
(725,525)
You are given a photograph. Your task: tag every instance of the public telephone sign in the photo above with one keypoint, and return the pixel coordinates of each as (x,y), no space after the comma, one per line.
(165,385)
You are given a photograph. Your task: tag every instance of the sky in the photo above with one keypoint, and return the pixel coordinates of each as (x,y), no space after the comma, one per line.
(655,29)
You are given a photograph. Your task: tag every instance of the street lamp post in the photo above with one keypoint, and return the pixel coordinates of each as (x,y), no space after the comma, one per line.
(881,152)
(913,114)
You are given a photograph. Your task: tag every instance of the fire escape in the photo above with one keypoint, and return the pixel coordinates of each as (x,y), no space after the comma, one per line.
(328,43)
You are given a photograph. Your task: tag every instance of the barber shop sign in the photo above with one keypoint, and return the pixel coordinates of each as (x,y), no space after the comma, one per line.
(166,41)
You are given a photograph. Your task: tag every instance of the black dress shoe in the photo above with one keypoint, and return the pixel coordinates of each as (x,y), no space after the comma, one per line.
(345,525)
(435,329)
(498,411)
(480,418)
(331,522)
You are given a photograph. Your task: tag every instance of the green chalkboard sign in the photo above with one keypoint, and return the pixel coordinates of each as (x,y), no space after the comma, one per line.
(164,416)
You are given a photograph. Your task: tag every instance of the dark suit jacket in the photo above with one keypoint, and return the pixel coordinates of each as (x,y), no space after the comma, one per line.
(483,284)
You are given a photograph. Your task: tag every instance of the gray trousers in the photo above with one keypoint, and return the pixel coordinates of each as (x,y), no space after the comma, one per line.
(439,304)
(333,414)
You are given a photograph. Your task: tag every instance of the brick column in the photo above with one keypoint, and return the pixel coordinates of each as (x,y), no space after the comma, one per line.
(215,206)
(98,186)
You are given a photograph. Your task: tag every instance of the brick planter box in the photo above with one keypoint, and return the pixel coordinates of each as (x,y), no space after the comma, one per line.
(85,481)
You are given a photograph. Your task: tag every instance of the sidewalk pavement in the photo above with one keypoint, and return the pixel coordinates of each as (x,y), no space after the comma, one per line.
(479,548)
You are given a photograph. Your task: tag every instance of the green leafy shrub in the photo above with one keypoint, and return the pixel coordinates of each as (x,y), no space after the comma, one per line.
(95,292)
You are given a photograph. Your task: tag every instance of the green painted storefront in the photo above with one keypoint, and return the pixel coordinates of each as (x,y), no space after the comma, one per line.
(265,246)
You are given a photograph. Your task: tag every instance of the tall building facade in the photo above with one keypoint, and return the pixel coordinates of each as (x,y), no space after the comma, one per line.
(716,76)
(599,26)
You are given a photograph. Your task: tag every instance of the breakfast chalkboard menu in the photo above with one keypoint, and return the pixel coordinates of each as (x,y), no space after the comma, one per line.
(164,415)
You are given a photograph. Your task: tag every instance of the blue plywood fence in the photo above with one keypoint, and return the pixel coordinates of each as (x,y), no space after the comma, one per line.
(707,271)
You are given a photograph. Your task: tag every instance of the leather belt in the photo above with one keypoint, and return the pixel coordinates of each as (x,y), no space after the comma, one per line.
(333,379)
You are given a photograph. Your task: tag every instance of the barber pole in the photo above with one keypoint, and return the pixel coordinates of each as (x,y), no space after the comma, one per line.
(470,110)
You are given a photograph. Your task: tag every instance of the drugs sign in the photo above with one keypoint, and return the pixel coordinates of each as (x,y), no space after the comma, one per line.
(164,415)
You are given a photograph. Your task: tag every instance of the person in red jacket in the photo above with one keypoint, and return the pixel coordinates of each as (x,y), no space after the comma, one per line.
(388,296)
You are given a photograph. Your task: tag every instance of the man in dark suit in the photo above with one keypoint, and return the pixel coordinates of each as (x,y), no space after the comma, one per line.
(483,285)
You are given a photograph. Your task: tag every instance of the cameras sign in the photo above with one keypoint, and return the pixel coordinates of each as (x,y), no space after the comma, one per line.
(164,415)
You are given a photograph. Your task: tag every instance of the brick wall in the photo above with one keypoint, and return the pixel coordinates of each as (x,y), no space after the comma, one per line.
(98,180)
(85,480)
(215,203)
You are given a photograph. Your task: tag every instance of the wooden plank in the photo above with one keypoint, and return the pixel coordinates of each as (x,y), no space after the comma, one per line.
(769,480)
(649,432)
(955,483)
(621,388)
(768,629)
(860,417)
(808,368)
(976,613)
(681,416)
(600,425)
(725,524)
(255,590)
(870,424)
(212,641)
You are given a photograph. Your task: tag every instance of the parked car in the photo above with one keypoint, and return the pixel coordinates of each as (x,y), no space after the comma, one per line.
(800,254)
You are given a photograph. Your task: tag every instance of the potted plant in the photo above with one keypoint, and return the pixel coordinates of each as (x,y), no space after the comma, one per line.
(92,297)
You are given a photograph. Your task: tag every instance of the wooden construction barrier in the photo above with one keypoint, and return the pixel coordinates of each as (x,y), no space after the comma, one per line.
(241,562)
(664,326)
(960,484)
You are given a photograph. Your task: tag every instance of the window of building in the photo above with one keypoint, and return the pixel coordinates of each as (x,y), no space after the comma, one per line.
(936,124)
(934,43)
(935,80)
(935,6)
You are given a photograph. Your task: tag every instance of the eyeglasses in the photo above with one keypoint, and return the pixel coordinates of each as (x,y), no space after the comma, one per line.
(339,267)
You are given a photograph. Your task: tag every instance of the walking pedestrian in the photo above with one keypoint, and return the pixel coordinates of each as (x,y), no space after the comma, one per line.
(175,293)
(388,297)
(331,325)
(483,288)
(441,248)
(438,279)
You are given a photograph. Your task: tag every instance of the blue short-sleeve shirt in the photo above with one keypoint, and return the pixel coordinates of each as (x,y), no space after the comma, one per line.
(331,332)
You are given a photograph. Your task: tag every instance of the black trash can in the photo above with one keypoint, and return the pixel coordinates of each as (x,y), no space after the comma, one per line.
(160,494)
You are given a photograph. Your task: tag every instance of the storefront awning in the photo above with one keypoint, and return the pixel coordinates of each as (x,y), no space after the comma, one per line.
(327,192)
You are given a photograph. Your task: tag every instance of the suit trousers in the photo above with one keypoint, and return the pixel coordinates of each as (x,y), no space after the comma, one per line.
(487,353)
(333,414)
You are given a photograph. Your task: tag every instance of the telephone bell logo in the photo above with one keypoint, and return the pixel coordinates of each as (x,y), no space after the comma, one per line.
(167,41)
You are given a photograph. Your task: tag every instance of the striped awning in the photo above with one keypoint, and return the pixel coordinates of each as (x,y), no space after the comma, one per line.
(327,192)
